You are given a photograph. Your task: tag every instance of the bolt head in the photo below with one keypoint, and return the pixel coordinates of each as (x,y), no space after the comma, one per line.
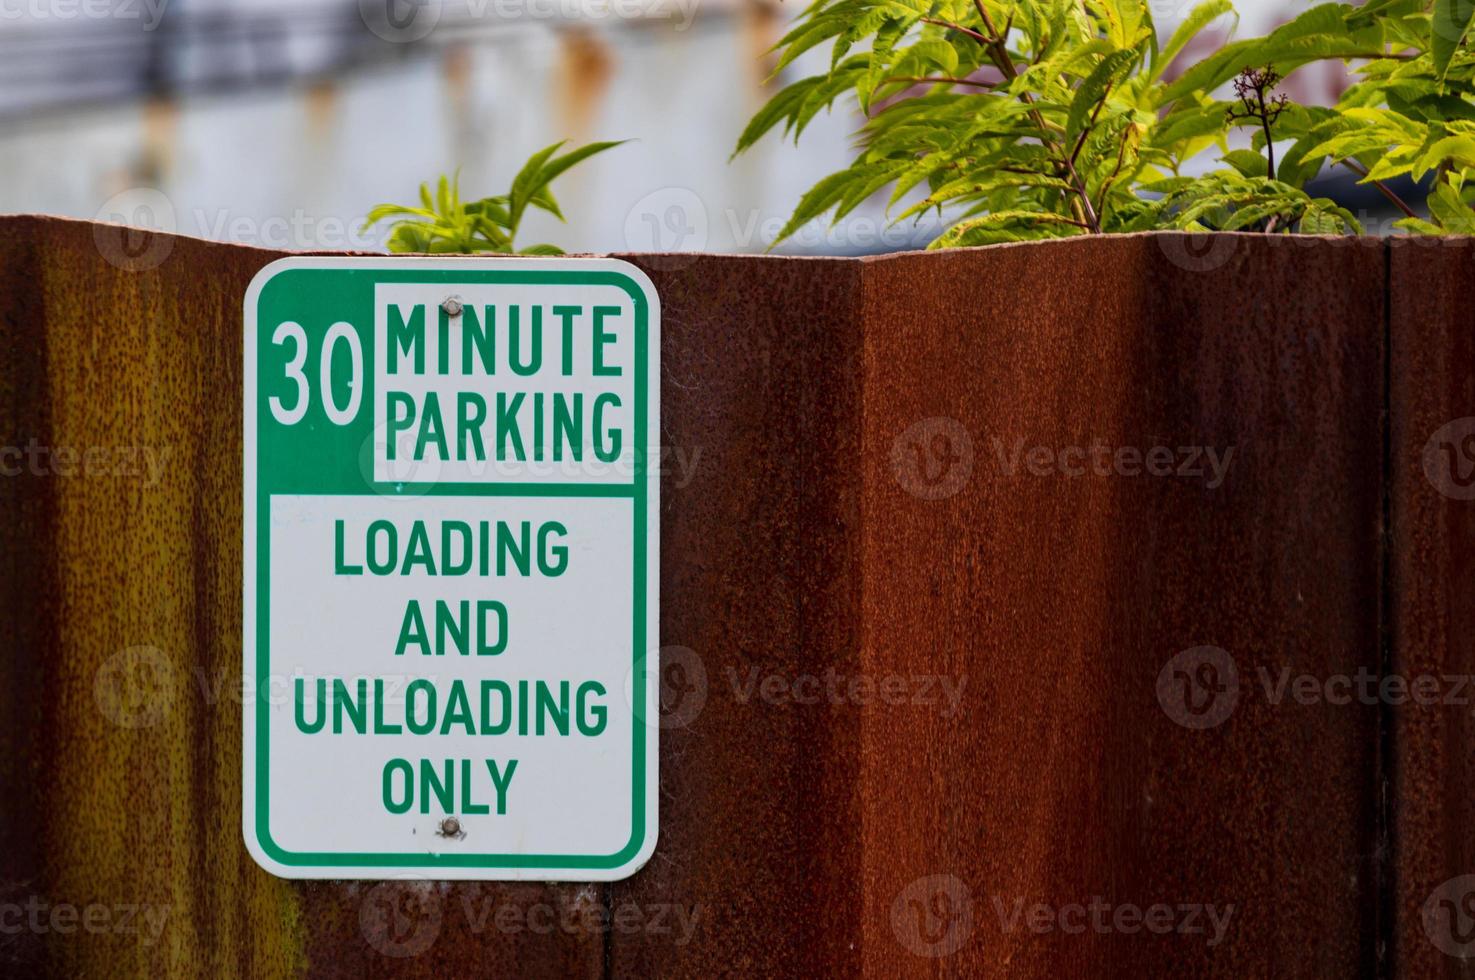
(451,305)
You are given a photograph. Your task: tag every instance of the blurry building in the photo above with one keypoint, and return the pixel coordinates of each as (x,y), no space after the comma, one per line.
(281,122)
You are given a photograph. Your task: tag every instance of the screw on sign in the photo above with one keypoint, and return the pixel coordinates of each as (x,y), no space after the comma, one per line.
(1449,917)
(933,916)
(933,458)
(1199,687)
(401,918)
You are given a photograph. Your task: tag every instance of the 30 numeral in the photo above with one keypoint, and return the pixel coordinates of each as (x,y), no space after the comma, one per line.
(339,333)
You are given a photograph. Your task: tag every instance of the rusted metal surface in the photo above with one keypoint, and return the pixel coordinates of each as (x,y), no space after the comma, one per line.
(122,703)
(897,688)
(1432,559)
(761,577)
(1061,598)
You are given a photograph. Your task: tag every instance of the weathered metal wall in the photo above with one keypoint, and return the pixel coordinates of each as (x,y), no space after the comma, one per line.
(1063,596)
(1432,617)
(938,682)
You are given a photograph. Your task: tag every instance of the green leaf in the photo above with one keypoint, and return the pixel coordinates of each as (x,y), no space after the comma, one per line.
(1457,151)
(1247,162)
(816,201)
(443,196)
(1418,226)
(526,183)
(540,171)
(961,232)
(879,60)
(1393,164)
(782,106)
(545,201)
(804,37)
(1094,90)
(1198,18)
(493,209)
(1320,33)
(1452,213)
(933,54)
(409,238)
(976,186)
(1448,27)
(1188,124)
(383,211)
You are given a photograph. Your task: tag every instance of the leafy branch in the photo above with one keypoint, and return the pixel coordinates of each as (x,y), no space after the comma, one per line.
(1041,118)
(443,223)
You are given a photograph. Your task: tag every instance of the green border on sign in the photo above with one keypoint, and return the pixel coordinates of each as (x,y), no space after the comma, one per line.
(328,304)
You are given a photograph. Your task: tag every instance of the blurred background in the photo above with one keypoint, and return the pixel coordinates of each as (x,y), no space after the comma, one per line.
(282,122)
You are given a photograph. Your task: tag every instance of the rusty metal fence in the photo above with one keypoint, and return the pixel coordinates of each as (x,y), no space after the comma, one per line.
(1072,609)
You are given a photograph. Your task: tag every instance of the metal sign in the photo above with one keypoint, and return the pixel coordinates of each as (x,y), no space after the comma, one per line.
(450,568)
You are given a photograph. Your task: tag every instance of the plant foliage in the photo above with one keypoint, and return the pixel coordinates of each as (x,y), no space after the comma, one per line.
(1047,118)
(443,223)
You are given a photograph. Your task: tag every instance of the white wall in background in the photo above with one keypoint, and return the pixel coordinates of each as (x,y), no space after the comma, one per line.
(297,165)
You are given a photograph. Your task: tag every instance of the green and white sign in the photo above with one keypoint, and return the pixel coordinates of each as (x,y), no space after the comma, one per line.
(450,568)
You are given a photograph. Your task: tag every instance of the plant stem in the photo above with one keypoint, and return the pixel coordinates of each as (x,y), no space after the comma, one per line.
(1269,144)
(1387,191)
(998,53)
(1121,157)
(931,79)
(1091,125)
(956,27)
